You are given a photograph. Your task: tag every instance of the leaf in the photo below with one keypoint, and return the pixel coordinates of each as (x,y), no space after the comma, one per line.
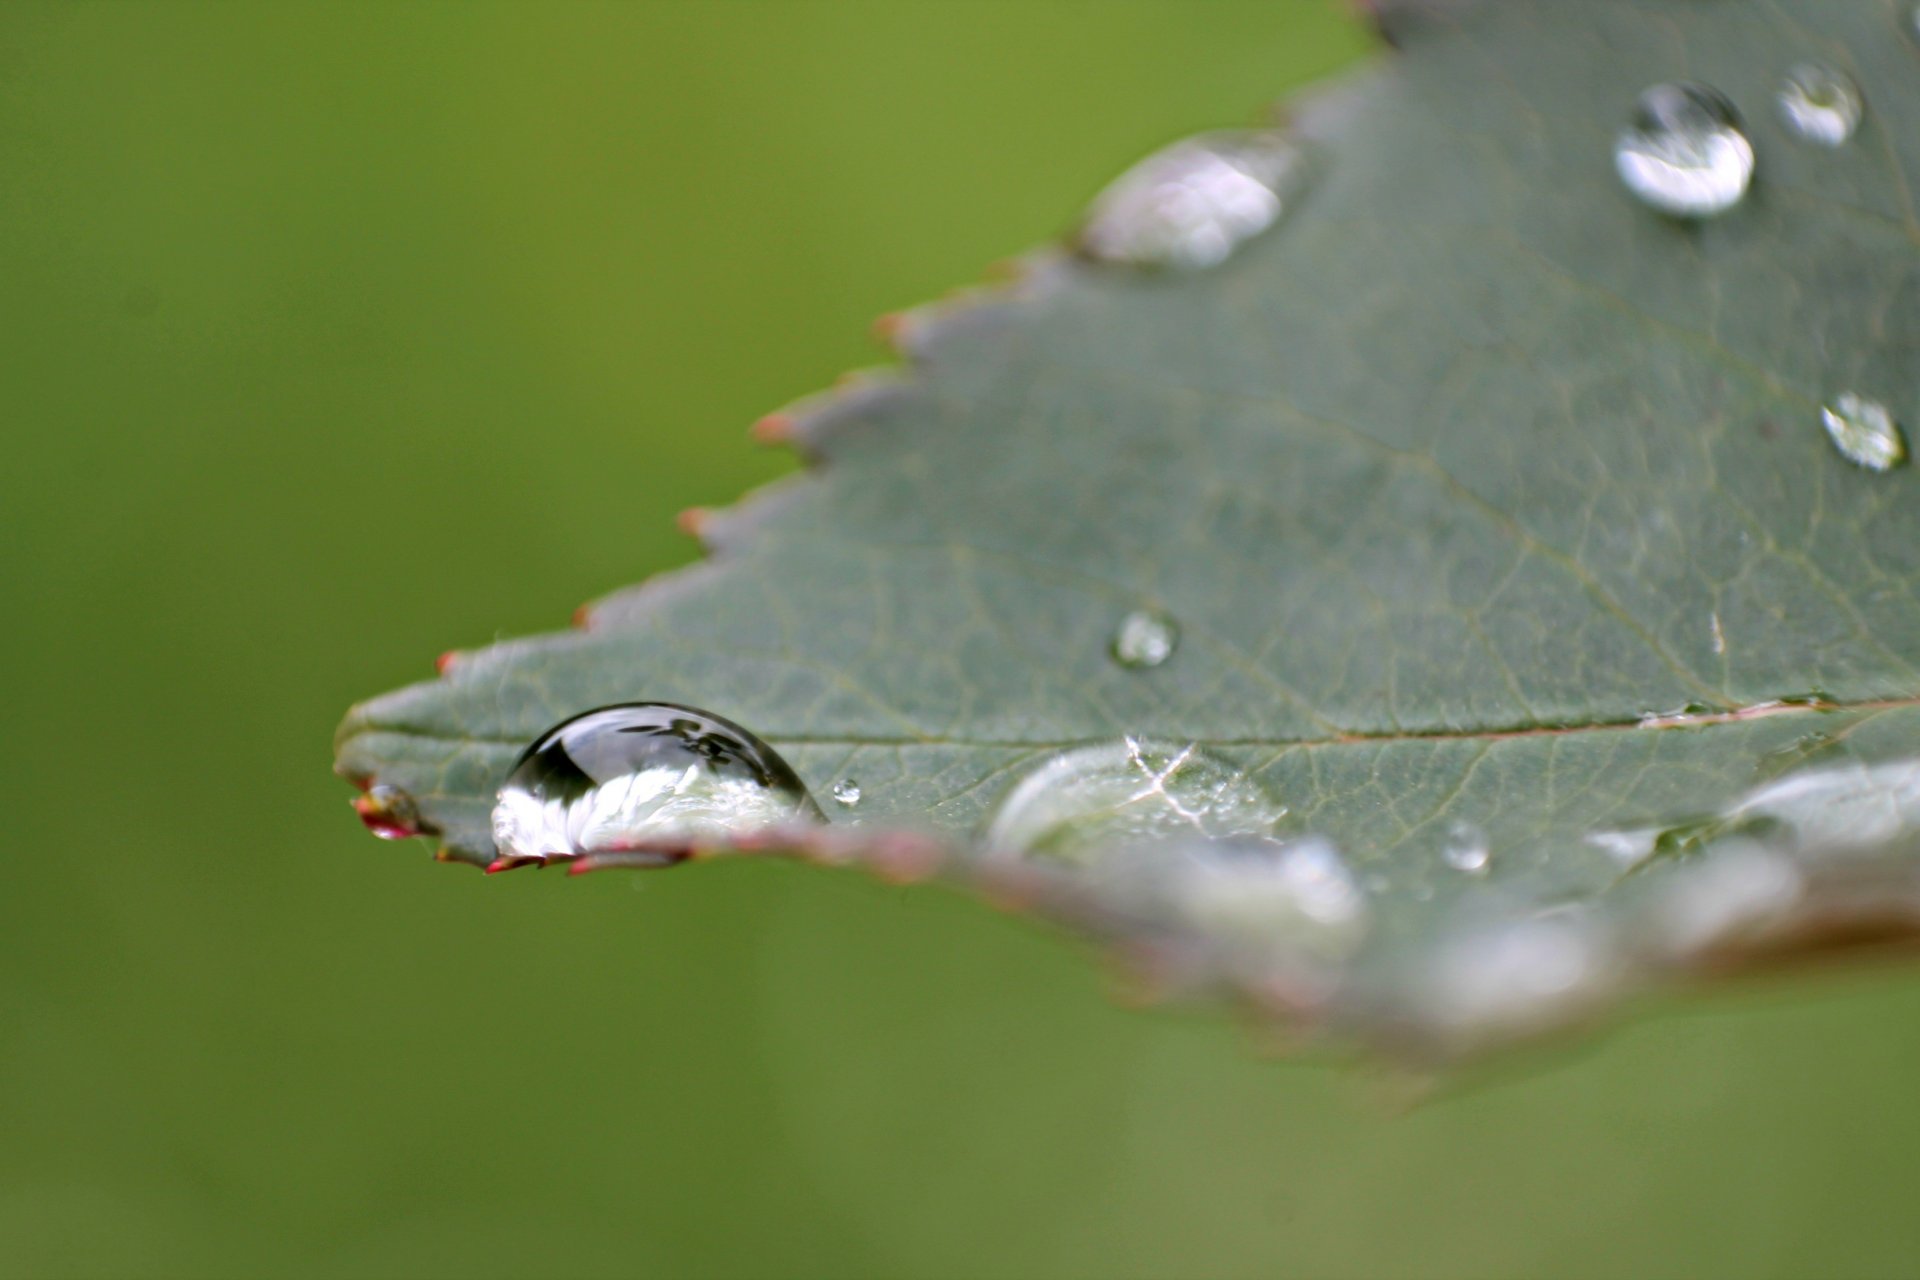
(1490,505)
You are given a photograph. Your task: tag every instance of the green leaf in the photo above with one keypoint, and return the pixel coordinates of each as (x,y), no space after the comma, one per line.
(1491,506)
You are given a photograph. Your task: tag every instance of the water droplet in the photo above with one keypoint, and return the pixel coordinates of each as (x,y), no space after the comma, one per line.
(1834,810)
(1088,800)
(1683,153)
(846,792)
(389,812)
(1741,888)
(641,776)
(1628,849)
(1864,431)
(1264,893)
(1820,103)
(1466,849)
(1188,207)
(1514,979)
(1145,638)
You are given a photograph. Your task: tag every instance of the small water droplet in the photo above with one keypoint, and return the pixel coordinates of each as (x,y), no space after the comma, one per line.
(1145,638)
(1089,800)
(1189,206)
(639,776)
(1820,103)
(1683,153)
(846,792)
(1466,849)
(1865,432)
(389,812)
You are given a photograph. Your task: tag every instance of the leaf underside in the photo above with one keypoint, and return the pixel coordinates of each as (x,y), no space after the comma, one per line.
(1451,481)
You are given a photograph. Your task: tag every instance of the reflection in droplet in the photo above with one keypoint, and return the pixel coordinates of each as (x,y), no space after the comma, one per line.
(388,812)
(1820,103)
(846,792)
(1089,800)
(641,776)
(1191,205)
(1465,848)
(1145,638)
(1864,431)
(1684,153)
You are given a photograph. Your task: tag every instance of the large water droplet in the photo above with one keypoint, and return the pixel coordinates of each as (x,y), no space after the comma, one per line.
(846,792)
(1088,800)
(1820,103)
(1191,205)
(1864,430)
(1465,848)
(642,776)
(1273,896)
(1683,153)
(1145,638)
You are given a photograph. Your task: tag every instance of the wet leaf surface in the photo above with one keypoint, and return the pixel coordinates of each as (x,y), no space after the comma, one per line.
(1486,503)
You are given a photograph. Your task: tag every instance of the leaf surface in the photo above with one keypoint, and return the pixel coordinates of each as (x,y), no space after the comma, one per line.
(1485,498)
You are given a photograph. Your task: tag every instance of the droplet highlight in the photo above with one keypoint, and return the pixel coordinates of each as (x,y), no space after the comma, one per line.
(1145,638)
(1190,206)
(1465,848)
(846,793)
(642,777)
(389,812)
(1864,432)
(1684,153)
(1820,104)
(1086,801)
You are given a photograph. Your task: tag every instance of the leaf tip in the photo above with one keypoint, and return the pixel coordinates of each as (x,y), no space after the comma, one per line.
(774,429)
(389,812)
(693,521)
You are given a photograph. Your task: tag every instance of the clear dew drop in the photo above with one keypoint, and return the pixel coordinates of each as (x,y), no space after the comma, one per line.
(1820,103)
(1683,153)
(1864,432)
(1189,206)
(1145,638)
(1093,799)
(1465,848)
(642,776)
(846,793)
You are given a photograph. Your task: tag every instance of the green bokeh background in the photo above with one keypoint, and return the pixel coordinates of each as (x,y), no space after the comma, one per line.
(339,335)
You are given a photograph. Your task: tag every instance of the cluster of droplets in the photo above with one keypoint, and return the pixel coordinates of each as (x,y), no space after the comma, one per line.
(1685,153)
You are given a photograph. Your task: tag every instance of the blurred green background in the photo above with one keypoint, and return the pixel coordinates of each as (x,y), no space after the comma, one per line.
(340,335)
